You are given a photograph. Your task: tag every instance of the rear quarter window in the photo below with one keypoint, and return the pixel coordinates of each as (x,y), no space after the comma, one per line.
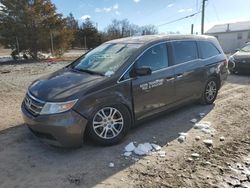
(184,51)
(208,49)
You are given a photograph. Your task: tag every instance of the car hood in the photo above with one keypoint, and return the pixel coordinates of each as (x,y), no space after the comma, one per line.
(241,55)
(63,85)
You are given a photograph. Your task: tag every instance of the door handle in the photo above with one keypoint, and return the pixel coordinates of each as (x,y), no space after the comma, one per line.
(180,75)
(168,79)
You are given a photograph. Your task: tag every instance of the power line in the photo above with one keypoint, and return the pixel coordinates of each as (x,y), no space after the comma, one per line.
(215,10)
(182,18)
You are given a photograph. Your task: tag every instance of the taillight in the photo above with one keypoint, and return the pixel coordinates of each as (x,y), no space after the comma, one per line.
(225,63)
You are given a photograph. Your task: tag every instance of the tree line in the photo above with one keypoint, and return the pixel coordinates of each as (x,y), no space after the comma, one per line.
(33,26)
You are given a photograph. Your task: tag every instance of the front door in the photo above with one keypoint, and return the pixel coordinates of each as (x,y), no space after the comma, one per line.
(154,92)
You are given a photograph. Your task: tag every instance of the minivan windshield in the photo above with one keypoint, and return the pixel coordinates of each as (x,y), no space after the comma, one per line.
(246,48)
(105,59)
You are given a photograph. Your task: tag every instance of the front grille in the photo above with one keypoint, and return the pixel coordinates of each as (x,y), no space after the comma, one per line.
(33,105)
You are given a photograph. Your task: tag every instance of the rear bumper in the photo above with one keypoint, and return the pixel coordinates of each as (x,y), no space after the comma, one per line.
(223,76)
(64,129)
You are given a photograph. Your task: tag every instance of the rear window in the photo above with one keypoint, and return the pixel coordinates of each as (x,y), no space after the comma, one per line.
(184,51)
(208,49)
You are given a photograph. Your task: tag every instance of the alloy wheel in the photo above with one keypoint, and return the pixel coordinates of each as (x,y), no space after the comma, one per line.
(211,90)
(108,122)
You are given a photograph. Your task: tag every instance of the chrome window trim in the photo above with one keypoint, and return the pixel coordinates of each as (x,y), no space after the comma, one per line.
(119,80)
(199,58)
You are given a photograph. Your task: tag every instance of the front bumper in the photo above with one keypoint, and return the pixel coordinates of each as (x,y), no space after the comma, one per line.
(239,67)
(64,129)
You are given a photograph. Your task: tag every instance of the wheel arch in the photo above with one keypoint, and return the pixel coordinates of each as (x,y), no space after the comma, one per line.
(88,106)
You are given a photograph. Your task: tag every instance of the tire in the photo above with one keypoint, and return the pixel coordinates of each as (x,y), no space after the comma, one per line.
(233,72)
(109,124)
(210,92)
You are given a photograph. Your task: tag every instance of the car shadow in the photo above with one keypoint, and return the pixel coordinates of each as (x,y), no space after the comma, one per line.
(241,79)
(29,162)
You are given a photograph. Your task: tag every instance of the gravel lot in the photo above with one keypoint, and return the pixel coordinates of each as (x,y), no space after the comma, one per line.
(26,162)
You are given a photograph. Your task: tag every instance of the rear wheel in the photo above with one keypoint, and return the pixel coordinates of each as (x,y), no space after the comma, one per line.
(211,90)
(109,124)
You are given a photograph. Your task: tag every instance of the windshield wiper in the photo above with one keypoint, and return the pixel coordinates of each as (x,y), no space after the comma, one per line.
(89,71)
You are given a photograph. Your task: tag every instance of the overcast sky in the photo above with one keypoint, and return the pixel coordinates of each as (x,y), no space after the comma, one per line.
(157,12)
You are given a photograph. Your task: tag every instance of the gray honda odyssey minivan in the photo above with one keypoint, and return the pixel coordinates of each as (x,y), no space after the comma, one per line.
(110,88)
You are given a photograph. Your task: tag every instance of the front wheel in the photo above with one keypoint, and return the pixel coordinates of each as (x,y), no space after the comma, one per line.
(109,124)
(211,90)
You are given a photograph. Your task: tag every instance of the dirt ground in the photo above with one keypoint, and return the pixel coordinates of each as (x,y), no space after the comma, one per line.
(26,162)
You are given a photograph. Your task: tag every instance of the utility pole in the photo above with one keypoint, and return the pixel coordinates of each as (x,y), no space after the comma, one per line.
(52,43)
(85,42)
(17,46)
(192,29)
(203,16)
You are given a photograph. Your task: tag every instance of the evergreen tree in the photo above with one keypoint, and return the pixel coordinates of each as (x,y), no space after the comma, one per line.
(32,26)
(73,25)
(89,35)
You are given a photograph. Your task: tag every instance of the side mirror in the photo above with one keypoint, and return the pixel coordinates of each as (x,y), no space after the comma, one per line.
(237,49)
(142,71)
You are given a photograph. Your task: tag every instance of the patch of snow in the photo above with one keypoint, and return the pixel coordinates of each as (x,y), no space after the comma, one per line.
(161,153)
(111,165)
(127,153)
(183,134)
(181,139)
(143,149)
(202,114)
(5,58)
(205,127)
(156,147)
(206,131)
(130,147)
(202,125)
(148,146)
(193,120)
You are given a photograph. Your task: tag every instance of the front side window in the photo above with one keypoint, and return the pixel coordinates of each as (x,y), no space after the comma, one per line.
(184,51)
(208,49)
(105,59)
(156,58)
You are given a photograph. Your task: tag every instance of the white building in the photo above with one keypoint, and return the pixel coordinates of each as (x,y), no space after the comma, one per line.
(232,35)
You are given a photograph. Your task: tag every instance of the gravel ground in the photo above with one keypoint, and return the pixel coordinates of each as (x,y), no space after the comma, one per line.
(26,162)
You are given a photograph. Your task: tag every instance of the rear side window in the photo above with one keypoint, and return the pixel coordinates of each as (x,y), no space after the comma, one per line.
(184,51)
(208,49)
(156,58)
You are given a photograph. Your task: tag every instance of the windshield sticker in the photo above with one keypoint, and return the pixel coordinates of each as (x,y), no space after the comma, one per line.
(152,84)
(109,73)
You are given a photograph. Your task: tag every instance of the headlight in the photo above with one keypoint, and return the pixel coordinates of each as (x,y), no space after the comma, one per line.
(53,108)
(231,58)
